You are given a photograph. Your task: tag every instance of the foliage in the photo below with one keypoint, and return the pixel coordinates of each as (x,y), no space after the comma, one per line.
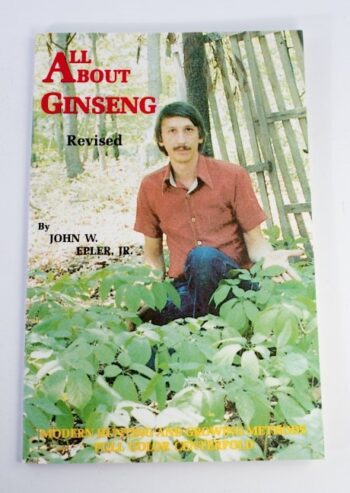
(253,365)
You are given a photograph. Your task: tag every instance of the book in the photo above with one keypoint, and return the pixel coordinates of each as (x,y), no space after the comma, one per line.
(104,383)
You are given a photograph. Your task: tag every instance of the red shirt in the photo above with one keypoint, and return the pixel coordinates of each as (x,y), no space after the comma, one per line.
(215,213)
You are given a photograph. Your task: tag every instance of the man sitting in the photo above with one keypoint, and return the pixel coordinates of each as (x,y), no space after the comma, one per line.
(208,211)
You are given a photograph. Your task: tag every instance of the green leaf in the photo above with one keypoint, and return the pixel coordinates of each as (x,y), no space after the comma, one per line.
(265,353)
(37,417)
(236,316)
(105,287)
(161,393)
(104,354)
(65,419)
(147,296)
(144,416)
(112,371)
(144,370)
(284,336)
(295,364)
(262,410)
(140,382)
(221,294)
(263,296)
(139,350)
(79,388)
(245,407)
(28,428)
(124,359)
(47,405)
(159,291)
(96,420)
(132,298)
(213,406)
(176,382)
(226,355)
(293,452)
(76,352)
(54,384)
(162,359)
(289,407)
(226,308)
(151,386)
(125,386)
(250,310)
(238,292)
(265,320)
(189,353)
(250,363)
(287,318)
(84,456)
(173,295)
(41,354)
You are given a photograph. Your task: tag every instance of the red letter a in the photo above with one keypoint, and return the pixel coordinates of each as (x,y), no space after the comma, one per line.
(60,64)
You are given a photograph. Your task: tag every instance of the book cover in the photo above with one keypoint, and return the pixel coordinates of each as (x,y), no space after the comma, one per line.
(110,376)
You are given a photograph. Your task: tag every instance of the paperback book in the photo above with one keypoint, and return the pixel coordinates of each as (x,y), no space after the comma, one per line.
(166,170)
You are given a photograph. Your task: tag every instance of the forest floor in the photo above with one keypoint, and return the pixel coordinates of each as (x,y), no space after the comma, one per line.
(100,202)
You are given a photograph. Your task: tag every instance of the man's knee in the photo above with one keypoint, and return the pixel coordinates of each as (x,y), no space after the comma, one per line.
(202,255)
(206,258)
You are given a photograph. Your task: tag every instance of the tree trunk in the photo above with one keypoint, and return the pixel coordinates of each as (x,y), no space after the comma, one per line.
(154,69)
(59,138)
(195,65)
(154,73)
(101,125)
(70,121)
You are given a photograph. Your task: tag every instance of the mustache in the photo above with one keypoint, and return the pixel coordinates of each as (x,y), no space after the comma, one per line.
(182,148)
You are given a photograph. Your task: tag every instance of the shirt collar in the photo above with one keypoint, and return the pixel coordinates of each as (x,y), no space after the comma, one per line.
(202,173)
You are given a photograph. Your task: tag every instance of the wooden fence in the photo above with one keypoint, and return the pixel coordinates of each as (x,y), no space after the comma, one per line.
(256,92)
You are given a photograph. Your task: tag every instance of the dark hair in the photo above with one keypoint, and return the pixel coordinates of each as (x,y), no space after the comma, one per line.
(179,108)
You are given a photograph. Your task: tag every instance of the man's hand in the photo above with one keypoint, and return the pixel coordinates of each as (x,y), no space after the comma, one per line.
(280,258)
(259,248)
(153,254)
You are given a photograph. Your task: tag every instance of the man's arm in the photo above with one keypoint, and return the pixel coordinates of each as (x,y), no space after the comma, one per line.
(153,253)
(259,248)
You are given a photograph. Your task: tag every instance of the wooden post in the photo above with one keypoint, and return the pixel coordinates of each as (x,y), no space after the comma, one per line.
(299,51)
(293,89)
(220,58)
(249,112)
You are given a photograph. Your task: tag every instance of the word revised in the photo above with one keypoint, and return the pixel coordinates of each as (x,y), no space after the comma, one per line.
(61,102)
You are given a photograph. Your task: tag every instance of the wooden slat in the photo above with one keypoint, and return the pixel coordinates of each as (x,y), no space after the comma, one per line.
(220,58)
(250,116)
(298,208)
(299,51)
(288,69)
(286,115)
(259,167)
(283,166)
(290,134)
(265,136)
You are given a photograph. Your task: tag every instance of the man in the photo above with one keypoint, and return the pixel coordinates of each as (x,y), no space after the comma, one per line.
(208,211)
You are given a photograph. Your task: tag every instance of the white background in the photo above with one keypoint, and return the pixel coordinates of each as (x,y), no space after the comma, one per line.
(326,26)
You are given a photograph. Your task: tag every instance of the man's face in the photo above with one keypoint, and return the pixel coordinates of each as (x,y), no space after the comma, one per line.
(180,138)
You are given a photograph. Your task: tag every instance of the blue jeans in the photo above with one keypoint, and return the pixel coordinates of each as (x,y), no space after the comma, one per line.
(205,267)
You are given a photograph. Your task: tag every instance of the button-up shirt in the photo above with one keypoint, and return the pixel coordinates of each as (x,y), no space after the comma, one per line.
(215,211)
